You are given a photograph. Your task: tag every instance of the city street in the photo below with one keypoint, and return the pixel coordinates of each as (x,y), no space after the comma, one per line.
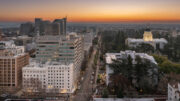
(84,94)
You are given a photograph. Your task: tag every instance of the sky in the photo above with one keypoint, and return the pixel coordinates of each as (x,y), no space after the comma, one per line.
(91,10)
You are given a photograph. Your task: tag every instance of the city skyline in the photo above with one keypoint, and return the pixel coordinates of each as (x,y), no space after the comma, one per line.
(91,10)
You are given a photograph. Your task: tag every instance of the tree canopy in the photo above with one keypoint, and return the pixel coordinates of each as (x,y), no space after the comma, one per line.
(167,66)
(141,74)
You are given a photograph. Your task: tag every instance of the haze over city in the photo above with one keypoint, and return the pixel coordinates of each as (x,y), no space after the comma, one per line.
(91,10)
(89,50)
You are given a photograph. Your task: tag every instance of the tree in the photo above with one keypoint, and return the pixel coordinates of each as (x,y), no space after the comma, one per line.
(84,62)
(95,41)
(167,66)
(144,47)
(141,74)
(120,94)
(36,87)
(130,68)
(113,41)
(118,84)
(105,93)
(142,68)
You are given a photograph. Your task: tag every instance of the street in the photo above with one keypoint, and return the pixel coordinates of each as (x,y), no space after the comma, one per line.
(85,92)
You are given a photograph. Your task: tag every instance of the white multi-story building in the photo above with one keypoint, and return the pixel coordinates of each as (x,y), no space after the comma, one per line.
(147,39)
(124,55)
(71,50)
(48,77)
(173,92)
(66,49)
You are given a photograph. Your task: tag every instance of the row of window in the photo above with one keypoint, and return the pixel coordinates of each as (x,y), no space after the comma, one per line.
(34,75)
(34,71)
(58,67)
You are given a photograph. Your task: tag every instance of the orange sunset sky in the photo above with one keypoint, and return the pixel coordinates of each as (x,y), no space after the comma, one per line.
(90,10)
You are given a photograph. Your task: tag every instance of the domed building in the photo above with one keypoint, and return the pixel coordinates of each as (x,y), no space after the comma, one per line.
(147,39)
(147,36)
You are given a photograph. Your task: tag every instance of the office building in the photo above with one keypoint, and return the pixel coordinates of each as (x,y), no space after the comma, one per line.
(65,49)
(57,27)
(47,47)
(62,23)
(12,60)
(26,28)
(37,23)
(52,77)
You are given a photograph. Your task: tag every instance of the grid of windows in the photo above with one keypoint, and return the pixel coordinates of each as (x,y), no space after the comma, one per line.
(56,76)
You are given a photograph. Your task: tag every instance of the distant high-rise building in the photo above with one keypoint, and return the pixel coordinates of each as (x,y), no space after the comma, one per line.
(58,27)
(55,28)
(26,28)
(44,27)
(12,60)
(62,23)
(38,22)
(52,29)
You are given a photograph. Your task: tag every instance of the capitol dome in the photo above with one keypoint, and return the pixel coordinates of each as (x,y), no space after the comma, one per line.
(147,36)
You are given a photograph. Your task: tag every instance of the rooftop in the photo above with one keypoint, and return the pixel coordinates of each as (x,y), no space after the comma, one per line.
(8,48)
(35,65)
(142,41)
(125,54)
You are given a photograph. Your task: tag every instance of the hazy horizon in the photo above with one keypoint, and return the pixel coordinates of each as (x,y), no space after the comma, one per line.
(91,10)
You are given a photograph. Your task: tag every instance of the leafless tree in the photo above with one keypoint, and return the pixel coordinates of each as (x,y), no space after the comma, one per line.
(34,87)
